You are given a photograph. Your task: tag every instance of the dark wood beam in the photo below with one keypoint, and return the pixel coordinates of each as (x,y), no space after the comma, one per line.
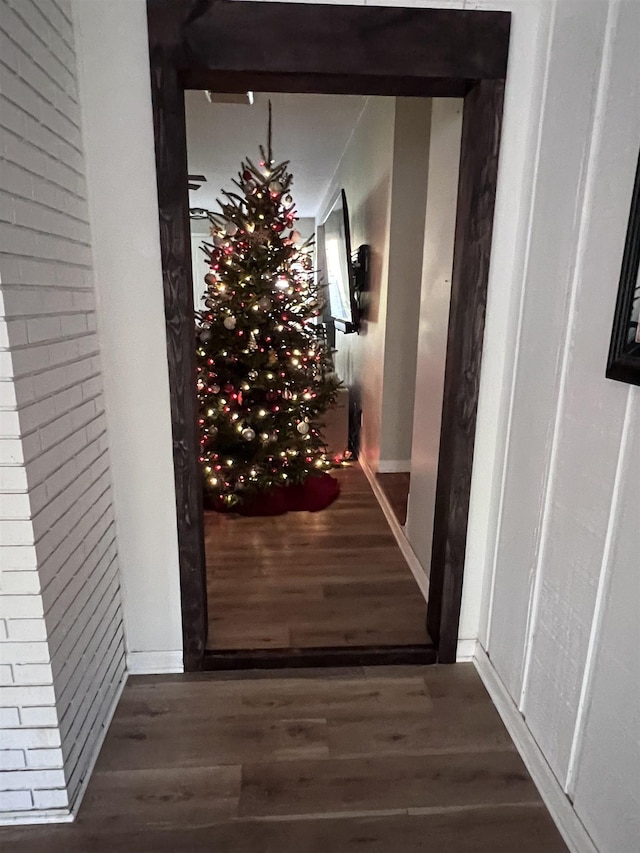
(175,245)
(347,41)
(481,124)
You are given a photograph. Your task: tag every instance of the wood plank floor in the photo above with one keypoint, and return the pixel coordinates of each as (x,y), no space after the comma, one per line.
(396,489)
(374,760)
(304,580)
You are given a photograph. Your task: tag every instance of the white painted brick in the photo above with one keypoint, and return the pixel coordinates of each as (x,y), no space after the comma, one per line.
(26,629)
(46,716)
(11,452)
(6,674)
(25,738)
(15,801)
(7,394)
(24,390)
(54,432)
(20,607)
(35,22)
(19,583)
(50,759)
(58,475)
(15,180)
(32,673)
(74,324)
(14,506)
(9,718)
(53,798)
(8,51)
(19,697)
(24,652)
(43,328)
(30,779)
(16,332)
(19,556)
(7,367)
(12,759)
(9,424)
(14,532)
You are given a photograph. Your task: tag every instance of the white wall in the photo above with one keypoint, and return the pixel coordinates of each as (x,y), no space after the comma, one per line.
(365,173)
(547,331)
(408,205)
(439,232)
(563,593)
(124,218)
(61,638)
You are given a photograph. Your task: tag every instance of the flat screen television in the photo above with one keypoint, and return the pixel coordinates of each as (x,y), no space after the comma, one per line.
(338,265)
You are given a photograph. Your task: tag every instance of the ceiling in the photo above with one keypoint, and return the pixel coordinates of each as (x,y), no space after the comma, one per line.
(309,130)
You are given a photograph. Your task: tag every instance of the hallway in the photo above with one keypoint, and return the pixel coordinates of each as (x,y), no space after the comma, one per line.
(378,760)
(334,578)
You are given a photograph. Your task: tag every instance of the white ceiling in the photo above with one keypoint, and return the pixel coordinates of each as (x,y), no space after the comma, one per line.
(309,130)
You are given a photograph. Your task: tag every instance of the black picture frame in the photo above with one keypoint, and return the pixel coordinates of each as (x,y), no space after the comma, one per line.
(624,351)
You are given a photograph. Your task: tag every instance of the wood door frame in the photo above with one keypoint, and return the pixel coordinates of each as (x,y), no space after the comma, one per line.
(234,46)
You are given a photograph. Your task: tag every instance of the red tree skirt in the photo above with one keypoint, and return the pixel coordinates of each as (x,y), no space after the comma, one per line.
(314,494)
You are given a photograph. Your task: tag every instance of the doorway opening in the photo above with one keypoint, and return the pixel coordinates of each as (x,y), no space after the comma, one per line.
(332,584)
(339,50)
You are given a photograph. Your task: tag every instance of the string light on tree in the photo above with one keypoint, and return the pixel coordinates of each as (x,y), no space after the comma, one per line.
(264,375)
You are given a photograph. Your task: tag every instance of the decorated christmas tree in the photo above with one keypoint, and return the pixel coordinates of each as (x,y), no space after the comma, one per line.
(264,374)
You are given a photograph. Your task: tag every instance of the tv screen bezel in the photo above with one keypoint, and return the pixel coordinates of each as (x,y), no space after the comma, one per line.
(344,324)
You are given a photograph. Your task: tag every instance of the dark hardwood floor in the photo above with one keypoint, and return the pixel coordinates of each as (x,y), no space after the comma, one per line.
(334,578)
(375,760)
(396,490)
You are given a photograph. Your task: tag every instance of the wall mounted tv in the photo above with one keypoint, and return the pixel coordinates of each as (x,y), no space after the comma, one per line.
(345,275)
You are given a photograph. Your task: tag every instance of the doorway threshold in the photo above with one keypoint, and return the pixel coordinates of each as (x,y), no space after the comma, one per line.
(331,656)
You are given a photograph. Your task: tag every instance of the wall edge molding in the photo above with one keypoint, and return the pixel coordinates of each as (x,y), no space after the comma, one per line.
(560,807)
(154,663)
(97,746)
(466,650)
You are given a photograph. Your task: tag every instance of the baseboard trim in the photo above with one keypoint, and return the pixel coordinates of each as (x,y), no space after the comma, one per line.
(466,650)
(407,551)
(569,824)
(36,817)
(394,466)
(154,663)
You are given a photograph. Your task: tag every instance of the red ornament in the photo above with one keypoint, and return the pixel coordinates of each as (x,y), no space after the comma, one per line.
(278,227)
(246,175)
(228,388)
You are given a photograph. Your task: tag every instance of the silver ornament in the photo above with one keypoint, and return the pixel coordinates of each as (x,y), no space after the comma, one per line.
(229,323)
(248,434)
(206,335)
(232,229)
(303,428)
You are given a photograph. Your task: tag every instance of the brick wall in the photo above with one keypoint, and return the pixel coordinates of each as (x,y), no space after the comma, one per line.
(61,640)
